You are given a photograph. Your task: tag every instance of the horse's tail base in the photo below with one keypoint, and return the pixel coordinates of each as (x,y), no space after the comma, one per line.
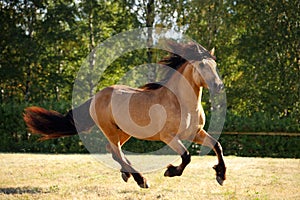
(51,124)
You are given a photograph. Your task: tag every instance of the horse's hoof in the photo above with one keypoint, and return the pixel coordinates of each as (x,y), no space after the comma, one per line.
(124,176)
(220,173)
(220,180)
(172,171)
(144,185)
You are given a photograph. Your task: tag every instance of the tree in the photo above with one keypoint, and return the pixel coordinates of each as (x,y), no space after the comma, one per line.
(270,48)
(98,20)
(36,40)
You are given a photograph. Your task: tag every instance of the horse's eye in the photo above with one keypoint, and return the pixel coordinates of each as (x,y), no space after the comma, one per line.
(201,65)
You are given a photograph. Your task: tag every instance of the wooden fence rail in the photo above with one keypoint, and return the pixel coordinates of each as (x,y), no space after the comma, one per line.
(263,133)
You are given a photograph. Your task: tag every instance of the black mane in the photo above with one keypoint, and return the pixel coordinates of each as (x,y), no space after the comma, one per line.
(179,55)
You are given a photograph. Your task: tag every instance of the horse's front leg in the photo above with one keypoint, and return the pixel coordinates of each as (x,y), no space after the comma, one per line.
(177,146)
(203,138)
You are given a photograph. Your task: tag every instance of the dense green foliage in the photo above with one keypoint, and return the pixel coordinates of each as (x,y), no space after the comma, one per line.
(43,44)
(14,137)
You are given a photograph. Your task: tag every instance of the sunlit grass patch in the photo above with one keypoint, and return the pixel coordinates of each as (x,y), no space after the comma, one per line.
(40,176)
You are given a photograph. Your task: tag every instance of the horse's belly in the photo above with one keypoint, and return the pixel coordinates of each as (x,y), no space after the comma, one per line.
(138,115)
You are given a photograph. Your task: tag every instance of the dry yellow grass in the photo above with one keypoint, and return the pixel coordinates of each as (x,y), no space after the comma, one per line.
(40,176)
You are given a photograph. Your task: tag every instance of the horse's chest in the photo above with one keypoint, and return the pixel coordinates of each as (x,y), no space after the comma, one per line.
(191,121)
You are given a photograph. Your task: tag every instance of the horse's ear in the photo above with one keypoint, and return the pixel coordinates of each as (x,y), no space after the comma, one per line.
(212,52)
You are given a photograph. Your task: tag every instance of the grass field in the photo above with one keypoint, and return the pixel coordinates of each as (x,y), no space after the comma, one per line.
(39,176)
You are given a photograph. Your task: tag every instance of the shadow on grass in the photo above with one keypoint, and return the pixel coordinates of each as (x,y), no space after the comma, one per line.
(22,190)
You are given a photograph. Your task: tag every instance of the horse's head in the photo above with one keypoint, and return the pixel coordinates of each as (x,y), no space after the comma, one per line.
(205,74)
(204,68)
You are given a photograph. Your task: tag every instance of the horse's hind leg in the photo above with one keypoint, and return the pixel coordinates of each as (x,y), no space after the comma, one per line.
(203,138)
(116,139)
(126,168)
(123,137)
(177,146)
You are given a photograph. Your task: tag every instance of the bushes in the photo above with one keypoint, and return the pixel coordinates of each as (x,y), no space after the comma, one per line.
(238,145)
(14,137)
(260,146)
(260,122)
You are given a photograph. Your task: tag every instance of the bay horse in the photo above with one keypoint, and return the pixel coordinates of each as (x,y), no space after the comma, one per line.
(168,111)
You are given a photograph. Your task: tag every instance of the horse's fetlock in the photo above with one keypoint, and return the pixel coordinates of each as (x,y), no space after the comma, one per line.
(186,158)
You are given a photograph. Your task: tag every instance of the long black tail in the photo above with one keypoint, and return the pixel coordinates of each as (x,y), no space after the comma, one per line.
(51,124)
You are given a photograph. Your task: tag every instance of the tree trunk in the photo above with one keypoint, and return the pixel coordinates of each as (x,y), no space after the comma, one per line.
(150,14)
(92,56)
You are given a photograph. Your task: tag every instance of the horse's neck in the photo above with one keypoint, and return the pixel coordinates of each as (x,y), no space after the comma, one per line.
(183,86)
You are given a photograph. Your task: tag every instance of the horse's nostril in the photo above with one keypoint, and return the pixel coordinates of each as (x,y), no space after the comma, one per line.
(221,86)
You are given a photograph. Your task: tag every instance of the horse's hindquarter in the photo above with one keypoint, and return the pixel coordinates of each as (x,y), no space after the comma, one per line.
(100,107)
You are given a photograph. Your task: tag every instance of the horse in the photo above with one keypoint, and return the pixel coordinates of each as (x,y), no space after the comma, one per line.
(169,111)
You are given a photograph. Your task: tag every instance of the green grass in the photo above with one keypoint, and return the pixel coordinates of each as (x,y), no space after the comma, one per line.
(40,176)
